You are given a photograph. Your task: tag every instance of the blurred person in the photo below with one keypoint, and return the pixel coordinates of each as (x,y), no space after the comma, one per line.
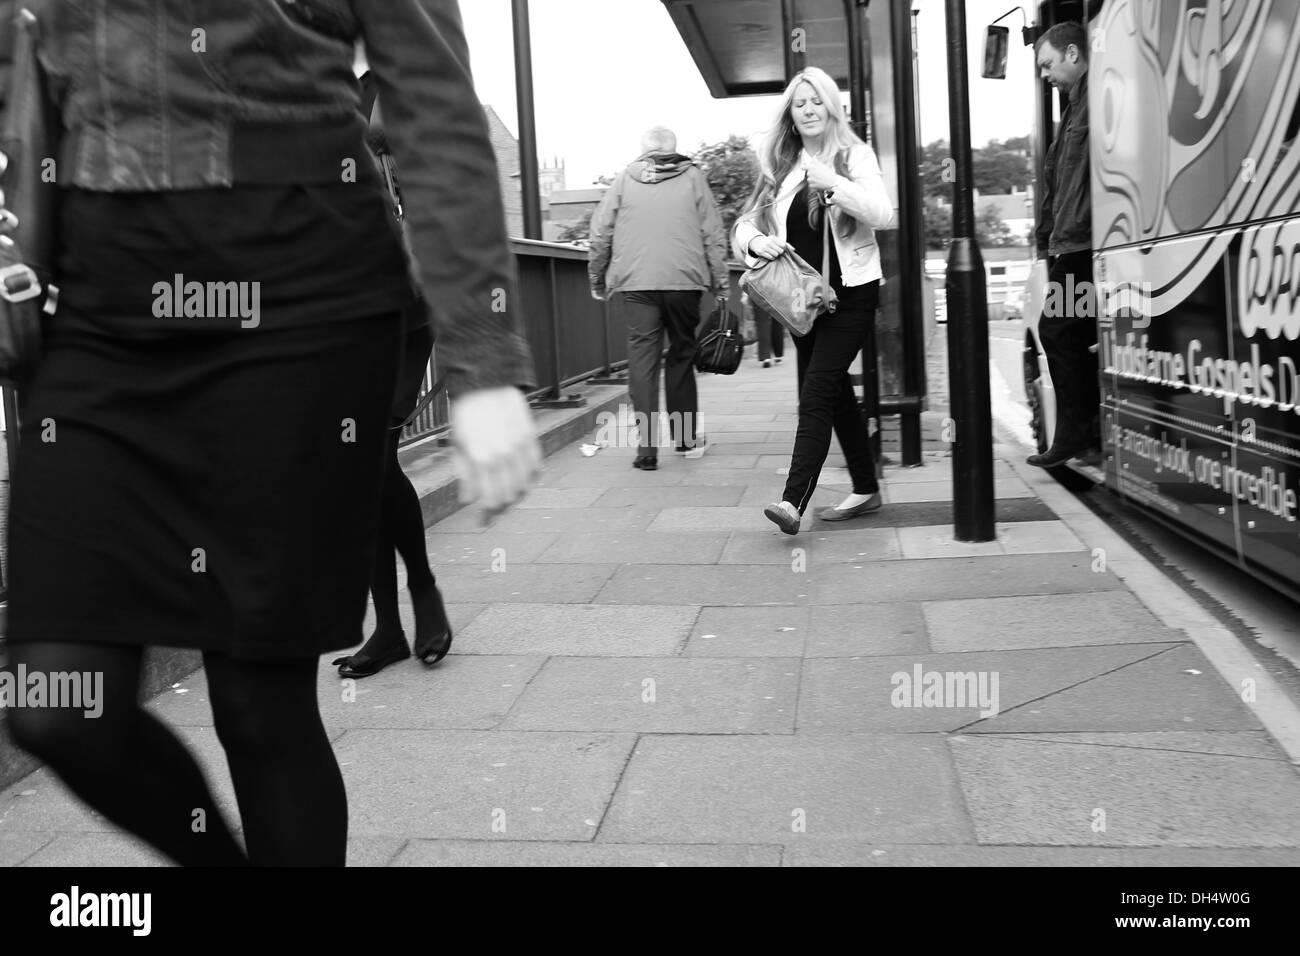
(769,332)
(215,482)
(657,242)
(1065,234)
(813,165)
(401,523)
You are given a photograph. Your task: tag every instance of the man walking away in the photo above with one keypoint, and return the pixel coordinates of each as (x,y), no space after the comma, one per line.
(1065,232)
(657,243)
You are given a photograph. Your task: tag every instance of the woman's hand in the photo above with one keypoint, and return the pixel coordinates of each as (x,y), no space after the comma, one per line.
(768,247)
(820,176)
(497,453)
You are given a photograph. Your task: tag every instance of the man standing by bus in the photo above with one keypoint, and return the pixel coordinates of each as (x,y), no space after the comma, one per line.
(1068,327)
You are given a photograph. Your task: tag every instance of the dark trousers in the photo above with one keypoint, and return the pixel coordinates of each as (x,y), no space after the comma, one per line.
(771,335)
(826,398)
(649,315)
(1068,328)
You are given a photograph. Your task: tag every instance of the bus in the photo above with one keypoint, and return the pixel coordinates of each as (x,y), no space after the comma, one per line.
(1194,109)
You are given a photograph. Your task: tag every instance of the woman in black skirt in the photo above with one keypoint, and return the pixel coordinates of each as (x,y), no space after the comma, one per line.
(815,167)
(204,440)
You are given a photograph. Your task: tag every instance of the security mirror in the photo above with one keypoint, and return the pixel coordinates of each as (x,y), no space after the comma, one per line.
(995,53)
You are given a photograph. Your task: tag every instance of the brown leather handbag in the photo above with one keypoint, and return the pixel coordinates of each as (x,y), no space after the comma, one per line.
(790,290)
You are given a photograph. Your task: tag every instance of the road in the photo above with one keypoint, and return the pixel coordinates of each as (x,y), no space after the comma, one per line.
(1267,622)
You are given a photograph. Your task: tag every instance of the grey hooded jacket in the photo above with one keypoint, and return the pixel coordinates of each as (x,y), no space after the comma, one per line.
(658,229)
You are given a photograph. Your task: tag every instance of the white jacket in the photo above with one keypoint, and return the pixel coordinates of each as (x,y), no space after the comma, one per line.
(861,196)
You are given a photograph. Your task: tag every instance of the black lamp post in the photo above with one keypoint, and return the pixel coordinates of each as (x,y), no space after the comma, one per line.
(968,317)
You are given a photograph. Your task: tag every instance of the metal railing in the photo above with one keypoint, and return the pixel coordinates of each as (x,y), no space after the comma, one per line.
(573,337)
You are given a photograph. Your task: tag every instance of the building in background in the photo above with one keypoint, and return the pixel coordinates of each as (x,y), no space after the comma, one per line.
(550,178)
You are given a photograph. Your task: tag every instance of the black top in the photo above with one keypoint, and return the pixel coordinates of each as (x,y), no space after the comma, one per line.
(807,241)
(317,253)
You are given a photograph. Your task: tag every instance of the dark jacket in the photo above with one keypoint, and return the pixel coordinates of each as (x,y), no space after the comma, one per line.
(1065,217)
(658,228)
(160,95)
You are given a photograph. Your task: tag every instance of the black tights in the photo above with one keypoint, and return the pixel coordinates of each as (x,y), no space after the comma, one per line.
(132,769)
(401,529)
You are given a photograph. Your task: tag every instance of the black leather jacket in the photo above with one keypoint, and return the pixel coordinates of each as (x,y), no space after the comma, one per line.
(160,95)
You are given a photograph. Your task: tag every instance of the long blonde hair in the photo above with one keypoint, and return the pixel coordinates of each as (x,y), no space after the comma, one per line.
(781,149)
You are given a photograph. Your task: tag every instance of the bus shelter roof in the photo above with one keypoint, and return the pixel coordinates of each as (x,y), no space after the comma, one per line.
(744,47)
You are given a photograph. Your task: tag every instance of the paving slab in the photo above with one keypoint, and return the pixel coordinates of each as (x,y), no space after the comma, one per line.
(627,547)
(912,514)
(1037,537)
(660,695)
(816,547)
(1032,856)
(1176,689)
(88,850)
(719,585)
(720,495)
(480,785)
(17,847)
(577,476)
(922,491)
(855,630)
(881,694)
(482,550)
(552,520)
(1047,620)
(729,477)
(933,579)
(485,853)
(560,498)
(469,692)
(525,583)
(1032,789)
(685,519)
(777,789)
(749,632)
(577,629)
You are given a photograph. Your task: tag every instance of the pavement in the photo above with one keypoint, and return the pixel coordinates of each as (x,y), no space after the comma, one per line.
(647,672)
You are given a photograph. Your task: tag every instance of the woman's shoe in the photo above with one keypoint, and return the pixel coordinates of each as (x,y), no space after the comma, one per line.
(432,629)
(364,664)
(785,515)
(646,462)
(873,503)
(767,363)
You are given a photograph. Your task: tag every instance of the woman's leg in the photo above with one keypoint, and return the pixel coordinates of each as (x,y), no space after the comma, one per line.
(823,364)
(763,331)
(287,780)
(778,339)
(118,757)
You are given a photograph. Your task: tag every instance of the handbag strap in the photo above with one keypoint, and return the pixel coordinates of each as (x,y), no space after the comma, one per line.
(826,250)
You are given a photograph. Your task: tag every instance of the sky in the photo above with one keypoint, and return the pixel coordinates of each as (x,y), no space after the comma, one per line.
(606,70)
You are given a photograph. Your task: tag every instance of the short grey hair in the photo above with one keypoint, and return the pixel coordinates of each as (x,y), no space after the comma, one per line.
(659,140)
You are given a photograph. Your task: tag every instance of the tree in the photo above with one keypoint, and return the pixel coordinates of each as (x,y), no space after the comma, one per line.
(938,224)
(731,168)
(998,168)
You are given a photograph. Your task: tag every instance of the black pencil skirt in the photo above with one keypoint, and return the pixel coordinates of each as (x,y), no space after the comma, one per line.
(217,491)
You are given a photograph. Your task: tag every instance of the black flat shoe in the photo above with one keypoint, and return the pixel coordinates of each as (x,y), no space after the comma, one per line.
(362,664)
(646,463)
(432,629)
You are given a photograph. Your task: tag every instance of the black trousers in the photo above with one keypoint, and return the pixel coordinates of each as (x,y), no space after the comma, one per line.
(648,316)
(1068,328)
(771,335)
(826,399)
